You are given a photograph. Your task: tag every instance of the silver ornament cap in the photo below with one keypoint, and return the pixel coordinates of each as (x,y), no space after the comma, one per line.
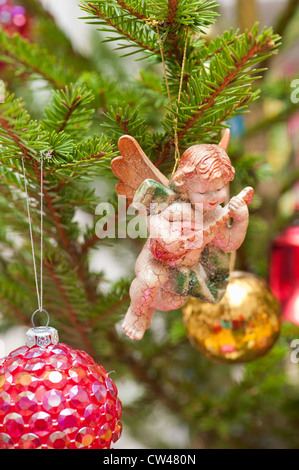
(41,336)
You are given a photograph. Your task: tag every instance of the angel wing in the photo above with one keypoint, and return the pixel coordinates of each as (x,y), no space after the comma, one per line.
(133,167)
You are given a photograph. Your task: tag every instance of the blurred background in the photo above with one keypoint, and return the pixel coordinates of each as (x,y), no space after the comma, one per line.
(267,390)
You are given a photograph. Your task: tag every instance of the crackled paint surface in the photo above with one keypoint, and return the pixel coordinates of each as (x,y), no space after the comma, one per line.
(189,236)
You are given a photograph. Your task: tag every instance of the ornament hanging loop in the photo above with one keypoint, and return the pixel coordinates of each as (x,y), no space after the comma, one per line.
(42,310)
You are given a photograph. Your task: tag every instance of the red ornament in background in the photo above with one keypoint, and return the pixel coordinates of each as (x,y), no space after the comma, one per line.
(291,308)
(284,270)
(13,17)
(55,397)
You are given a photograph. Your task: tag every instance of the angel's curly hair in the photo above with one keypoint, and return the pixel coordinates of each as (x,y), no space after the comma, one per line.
(206,161)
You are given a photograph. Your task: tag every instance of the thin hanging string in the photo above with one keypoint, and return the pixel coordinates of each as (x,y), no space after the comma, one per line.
(179,100)
(39,287)
(175,121)
(232,261)
(233,254)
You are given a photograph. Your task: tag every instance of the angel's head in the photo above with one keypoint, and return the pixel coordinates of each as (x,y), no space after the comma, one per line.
(204,173)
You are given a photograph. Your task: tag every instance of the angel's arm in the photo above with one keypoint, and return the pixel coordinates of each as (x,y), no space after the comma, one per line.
(230,237)
(176,229)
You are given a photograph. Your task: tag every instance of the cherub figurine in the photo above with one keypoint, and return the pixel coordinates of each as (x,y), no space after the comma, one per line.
(189,234)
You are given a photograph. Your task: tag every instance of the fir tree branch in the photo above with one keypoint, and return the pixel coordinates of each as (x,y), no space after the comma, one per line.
(18,132)
(55,216)
(172,5)
(166,374)
(6,126)
(21,317)
(194,14)
(29,58)
(89,243)
(131,10)
(13,168)
(69,111)
(115,23)
(72,315)
(140,372)
(228,114)
(213,96)
(78,262)
(230,77)
(109,311)
(216,47)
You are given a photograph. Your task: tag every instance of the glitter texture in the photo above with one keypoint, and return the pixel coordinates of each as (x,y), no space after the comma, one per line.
(56,397)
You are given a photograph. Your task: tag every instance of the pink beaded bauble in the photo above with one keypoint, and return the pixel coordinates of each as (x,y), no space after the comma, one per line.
(56,397)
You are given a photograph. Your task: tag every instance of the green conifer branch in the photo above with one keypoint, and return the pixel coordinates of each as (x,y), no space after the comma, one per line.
(69,111)
(237,68)
(73,155)
(70,312)
(138,34)
(219,87)
(135,8)
(172,7)
(179,13)
(28,58)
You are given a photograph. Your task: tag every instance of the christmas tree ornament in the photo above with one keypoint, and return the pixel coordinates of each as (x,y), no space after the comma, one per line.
(284,269)
(290,308)
(242,327)
(189,234)
(13,17)
(51,395)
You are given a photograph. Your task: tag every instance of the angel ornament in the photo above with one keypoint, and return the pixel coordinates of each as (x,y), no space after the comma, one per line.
(189,235)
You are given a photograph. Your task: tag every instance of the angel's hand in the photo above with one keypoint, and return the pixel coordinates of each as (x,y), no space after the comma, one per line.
(238,208)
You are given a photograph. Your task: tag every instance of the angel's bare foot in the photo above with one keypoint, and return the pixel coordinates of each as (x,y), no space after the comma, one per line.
(135,325)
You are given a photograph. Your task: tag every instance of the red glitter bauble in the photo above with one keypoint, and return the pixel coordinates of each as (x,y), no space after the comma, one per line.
(56,397)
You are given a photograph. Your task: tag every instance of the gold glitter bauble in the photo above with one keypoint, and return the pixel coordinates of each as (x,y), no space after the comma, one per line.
(243,326)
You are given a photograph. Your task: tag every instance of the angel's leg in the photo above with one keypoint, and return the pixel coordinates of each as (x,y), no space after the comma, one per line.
(151,276)
(166,301)
(169,300)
